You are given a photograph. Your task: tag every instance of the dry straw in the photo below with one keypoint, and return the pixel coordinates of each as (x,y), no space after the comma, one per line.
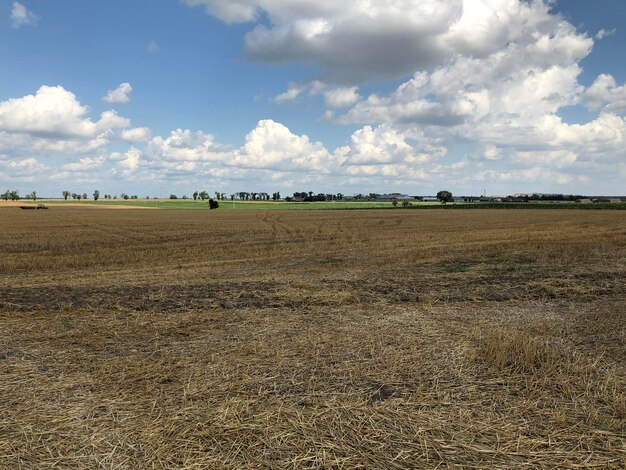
(370,339)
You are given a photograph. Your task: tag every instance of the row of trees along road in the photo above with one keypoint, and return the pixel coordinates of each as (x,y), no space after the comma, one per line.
(13,195)
(443,196)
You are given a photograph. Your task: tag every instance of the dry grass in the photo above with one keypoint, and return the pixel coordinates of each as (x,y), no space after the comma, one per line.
(374,339)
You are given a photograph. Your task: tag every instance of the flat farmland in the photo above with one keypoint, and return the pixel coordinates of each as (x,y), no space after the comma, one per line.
(312,339)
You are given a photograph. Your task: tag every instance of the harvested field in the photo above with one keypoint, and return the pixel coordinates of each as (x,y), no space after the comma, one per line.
(312,339)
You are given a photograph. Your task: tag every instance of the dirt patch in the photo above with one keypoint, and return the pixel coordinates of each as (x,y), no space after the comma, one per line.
(298,295)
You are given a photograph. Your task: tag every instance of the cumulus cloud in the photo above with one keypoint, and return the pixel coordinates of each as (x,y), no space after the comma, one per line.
(51,111)
(605,33)
(384,145)
(334,97)
(291,93)
(127,163)
(138,134)
(341,97)
(355,41)
(53,121)
(120,95)
(84,164)
(21,16)
(272,145)
(605,93)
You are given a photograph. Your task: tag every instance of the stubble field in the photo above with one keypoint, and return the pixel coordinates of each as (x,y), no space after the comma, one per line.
(312,339)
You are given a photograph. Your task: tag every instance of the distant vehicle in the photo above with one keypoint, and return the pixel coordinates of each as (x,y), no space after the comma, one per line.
(37,207)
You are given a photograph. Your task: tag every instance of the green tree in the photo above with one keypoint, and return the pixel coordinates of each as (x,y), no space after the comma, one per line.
(96,195)
(405,203)
(84,195)
(66,194)
(195,196)
(32,196)
(444,196)
(173,196)
(394,203)
(6,195)
(15,195)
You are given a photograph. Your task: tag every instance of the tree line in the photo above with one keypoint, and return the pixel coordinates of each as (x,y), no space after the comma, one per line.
(298,196)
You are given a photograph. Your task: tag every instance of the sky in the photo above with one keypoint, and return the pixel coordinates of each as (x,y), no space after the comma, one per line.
(357,96)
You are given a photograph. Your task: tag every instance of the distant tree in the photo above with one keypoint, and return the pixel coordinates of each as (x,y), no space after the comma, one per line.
(406,203)
(444,196)
(125,196)
(173,196)
(213,204)
(32,196)
(394,203)
(134,196)
(66,194)
(96,195)
(74,196)
(84,195)
(14,195)
(185,197)
(195,195)
(6,195)
(79,196)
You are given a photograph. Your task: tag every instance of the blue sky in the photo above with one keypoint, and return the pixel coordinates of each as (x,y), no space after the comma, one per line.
(150,98)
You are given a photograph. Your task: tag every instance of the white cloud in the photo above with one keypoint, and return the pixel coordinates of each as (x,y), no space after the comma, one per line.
(187,146)
(138,134)
(84,164)
(128,162)
(120,95)
(54,122)
(385,145)
(233,11)
(21,16)
(604,92)
(272,145)
(355,41)
(51,111)
(341,97)
(605,33)
(290,94)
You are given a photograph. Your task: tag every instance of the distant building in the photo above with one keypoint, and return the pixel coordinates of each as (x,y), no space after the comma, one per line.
(430,199)
(394,197)
(610,199)
(466,198)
